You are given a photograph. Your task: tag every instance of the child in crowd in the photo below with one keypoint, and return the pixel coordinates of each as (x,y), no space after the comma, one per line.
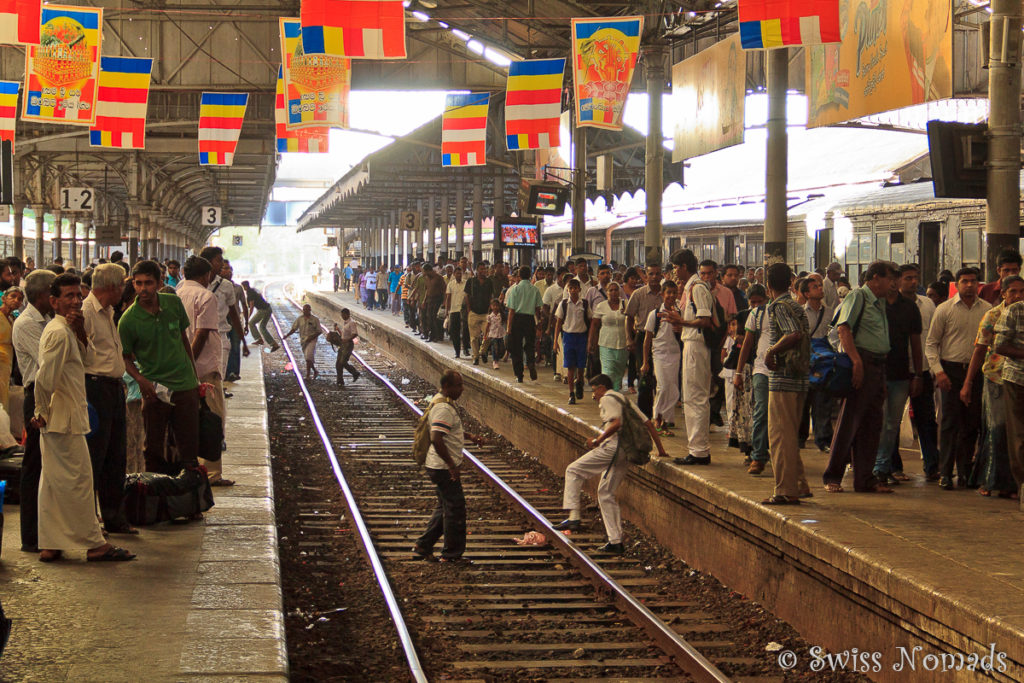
(494,336)
(662,352)
(573,322)
(544,338)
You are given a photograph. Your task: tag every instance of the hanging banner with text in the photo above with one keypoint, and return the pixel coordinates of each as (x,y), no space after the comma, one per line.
(61,72)
(604,54)
(894,54)
(316,86)
(708,95)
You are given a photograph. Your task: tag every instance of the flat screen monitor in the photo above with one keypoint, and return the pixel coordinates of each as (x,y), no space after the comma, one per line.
(547,200)
(518,232)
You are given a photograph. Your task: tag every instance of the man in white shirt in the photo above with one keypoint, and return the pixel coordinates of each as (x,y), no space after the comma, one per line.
(104,387)
(447,439)
(26,332)
(755,344)
(662,352)
(601,460)
(829,285)
(227,311)
(697,306)
(204,336)
(550,300)
(950,345)
(67,516)
(454,297)
(348,334)
(818,404)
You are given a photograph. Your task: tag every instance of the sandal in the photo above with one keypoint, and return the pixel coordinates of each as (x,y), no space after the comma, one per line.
(984,492)
(664,431)
(222,482)
(113,554)
(57,555)
(780,500)
(834,488)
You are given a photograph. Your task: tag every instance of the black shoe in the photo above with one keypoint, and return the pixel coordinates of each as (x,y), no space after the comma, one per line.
(425,555)
(519,379)
(227,394)
(572,399)
(961,482)
(356,376)
(457,354)
(690,460)
(946,484)
(579,390)
(533,372)
(476,360)
(568,525)
(734,442)
(613,548)
(934,476)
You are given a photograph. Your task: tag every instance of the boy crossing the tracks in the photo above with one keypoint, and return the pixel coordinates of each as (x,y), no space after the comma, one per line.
(603,459)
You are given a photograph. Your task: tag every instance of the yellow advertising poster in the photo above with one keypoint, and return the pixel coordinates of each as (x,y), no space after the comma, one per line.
(61,72)
(316,87)
(708,93)
(894,54)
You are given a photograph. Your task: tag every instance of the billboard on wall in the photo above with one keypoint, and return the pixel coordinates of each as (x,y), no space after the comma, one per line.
(708,93)
(894,54)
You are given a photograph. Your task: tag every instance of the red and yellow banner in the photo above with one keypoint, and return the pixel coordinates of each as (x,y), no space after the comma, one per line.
(61,72)
(316,86)
(604,54)
(893,54)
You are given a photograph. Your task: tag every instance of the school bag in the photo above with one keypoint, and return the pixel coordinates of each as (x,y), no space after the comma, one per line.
(634,439)
(421,437)
(831,368)
(150,497)
(714,336)
(586,312)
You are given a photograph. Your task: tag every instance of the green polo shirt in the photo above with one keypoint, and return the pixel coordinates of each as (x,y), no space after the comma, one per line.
(155,341)
(873,330)
(523,297)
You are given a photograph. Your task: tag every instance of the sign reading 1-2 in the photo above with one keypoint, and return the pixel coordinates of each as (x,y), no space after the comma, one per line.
(77,199)
(211,216)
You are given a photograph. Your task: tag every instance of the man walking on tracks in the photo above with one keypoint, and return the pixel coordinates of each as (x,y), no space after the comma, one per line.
(601,459)
(443,461)
(308,327)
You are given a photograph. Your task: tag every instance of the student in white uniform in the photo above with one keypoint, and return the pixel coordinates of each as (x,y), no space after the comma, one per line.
(601,460)
(662,351)
(697,303)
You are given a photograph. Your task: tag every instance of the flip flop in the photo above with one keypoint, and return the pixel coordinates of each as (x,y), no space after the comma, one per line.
(780,500)
(834,488)
(113,554)
(222,482)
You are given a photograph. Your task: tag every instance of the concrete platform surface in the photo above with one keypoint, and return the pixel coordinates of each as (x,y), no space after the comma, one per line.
(201,602)
(926,567)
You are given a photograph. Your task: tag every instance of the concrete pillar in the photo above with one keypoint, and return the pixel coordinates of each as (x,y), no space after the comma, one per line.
(499,212)
(420,237)
(776,174)
(431,230)
(73,242)
(58,229)
(19,235)
(443,223)
(1002,214)
(654,63)
(40,256)
(478,218)
(460,222)
(578,237)
(95,241)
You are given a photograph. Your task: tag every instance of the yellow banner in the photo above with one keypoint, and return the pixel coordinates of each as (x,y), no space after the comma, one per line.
(708,94)
(894,54)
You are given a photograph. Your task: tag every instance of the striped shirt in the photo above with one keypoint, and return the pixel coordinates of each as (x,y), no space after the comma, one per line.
(786,316)
(444,418)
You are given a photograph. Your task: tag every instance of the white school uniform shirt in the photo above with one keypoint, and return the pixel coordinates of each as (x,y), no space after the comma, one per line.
(571,315)
(704,304)
(665,342)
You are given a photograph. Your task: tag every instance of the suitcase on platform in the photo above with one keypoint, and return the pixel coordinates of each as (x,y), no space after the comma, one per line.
(151,498)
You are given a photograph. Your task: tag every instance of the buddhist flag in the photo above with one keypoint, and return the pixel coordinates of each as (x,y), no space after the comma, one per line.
(464,130)
(8,109)
(19,21)
(310,140)
(533,103)
(316,87)
(359,29)
(778,23)
(604,54)
(121,103)
(62,71)
(220,123)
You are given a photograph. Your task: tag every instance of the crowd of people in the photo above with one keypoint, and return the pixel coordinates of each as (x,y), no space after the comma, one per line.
(113,363)
(732,347)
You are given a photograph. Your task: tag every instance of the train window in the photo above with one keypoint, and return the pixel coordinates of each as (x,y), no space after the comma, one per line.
(970,246)
(882,246)
(865,248)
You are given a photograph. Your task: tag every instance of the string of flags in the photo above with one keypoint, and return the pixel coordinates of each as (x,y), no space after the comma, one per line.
(67,80)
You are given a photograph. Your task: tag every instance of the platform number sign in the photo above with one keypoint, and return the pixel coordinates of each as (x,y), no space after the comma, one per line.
(77,199)
(236,240)
(409,220)
(211,216)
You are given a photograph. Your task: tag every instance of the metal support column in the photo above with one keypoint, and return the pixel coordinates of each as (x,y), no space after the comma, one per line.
(654,67)
(73,241)
(133,237)
(58,228)
(478,219)
(578,237)
(1002,214)
(421,252)
(443,223)
(95,241)
(776,173)
(460,222)
(431,230)
(19,228)
(499,212)
(40,257)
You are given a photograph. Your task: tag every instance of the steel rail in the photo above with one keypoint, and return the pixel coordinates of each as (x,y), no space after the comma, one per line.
(682,653)
(416,671)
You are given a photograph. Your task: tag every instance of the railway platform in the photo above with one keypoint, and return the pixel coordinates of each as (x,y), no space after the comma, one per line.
(201,602)
(926,578)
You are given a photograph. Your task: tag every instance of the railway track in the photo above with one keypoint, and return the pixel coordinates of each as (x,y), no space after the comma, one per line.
(561,610)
